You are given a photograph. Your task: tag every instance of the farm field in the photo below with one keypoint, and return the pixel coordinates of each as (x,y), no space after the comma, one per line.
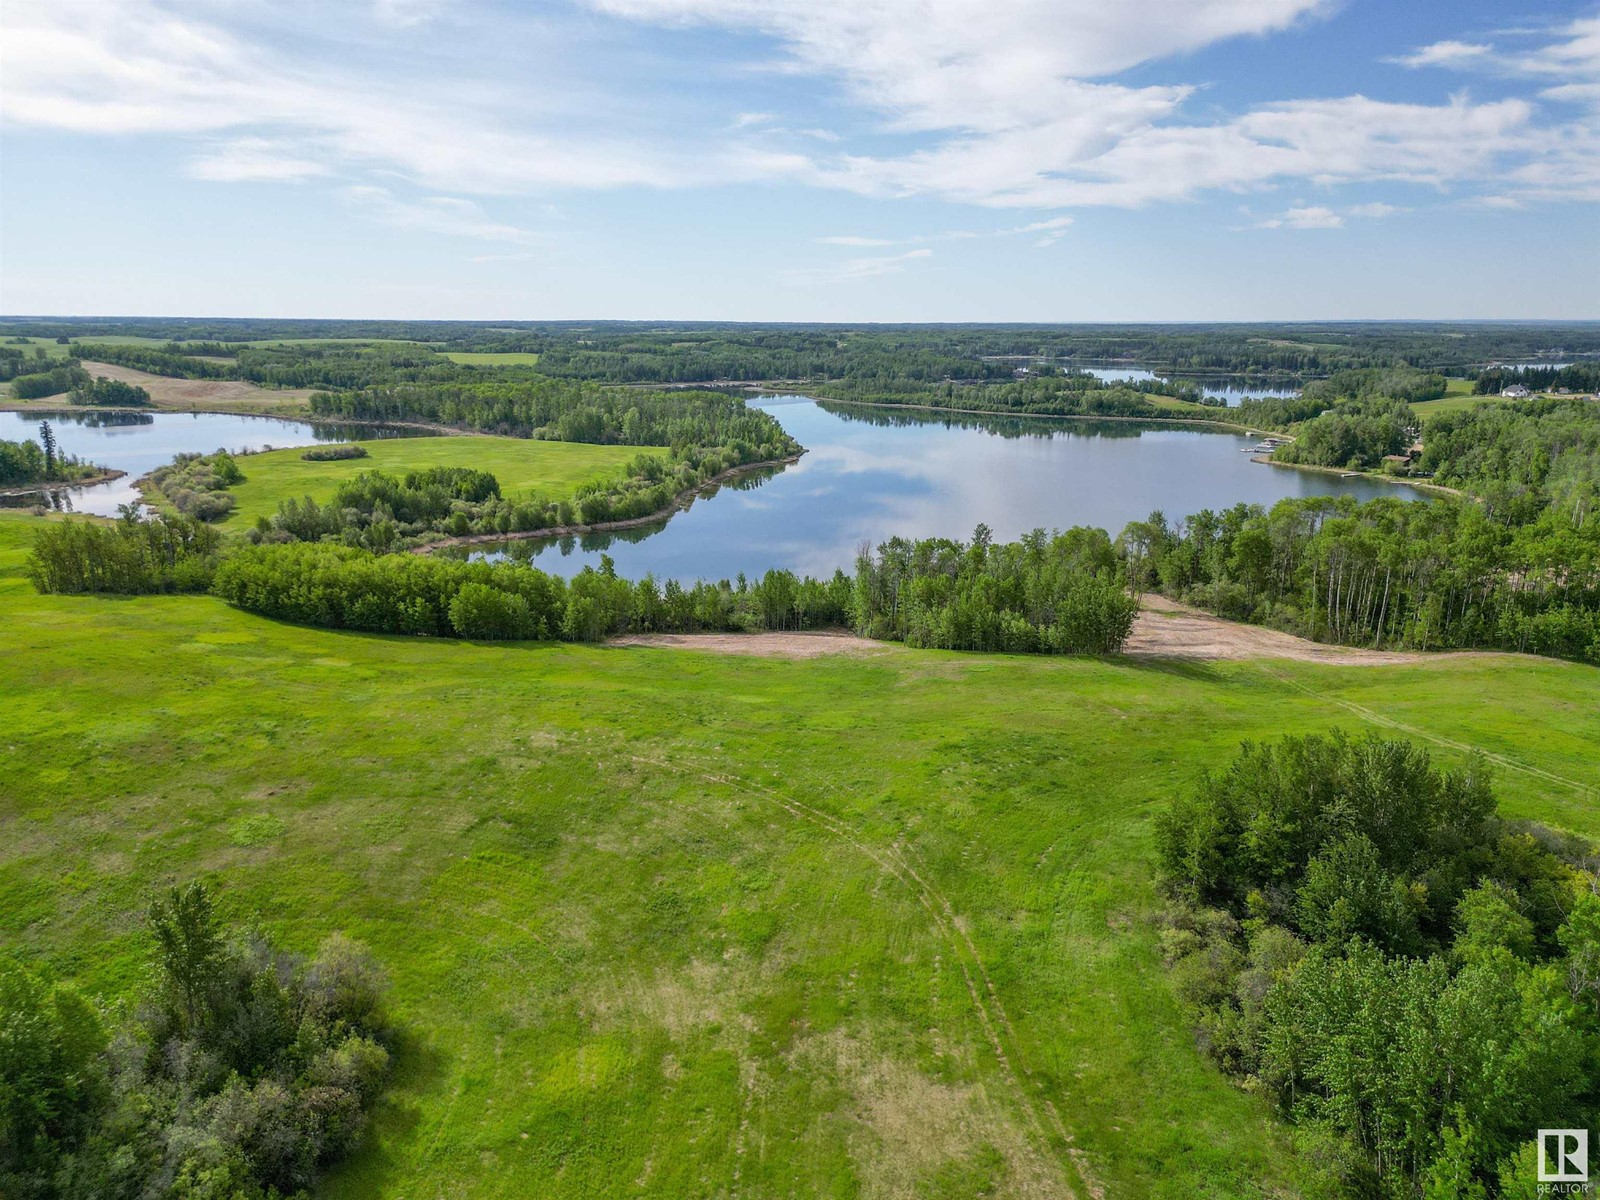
(492,359)
(522,466)
(663,922)
(191,395)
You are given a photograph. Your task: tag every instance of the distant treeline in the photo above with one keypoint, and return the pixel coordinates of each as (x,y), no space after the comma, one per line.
(1045,395)
(1411,978)
(561,410)
(375,353)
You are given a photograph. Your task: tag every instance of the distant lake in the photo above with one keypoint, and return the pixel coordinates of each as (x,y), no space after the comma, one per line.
(870,474)
(1233,389)
(139,442)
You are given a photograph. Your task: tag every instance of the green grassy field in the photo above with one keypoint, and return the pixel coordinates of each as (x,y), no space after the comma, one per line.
(673,924)
(512,358)
(1458,396)
(522,466)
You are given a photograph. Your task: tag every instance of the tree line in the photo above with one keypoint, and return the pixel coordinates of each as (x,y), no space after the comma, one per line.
(245,1072)
(1052,594)
(1413,979)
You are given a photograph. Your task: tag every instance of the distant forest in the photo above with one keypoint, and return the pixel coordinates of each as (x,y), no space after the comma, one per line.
(705,352)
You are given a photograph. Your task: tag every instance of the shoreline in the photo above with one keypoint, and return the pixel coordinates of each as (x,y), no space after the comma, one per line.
(8,404)
(1420,485)
(27,489)
(679,503)
(1232,426)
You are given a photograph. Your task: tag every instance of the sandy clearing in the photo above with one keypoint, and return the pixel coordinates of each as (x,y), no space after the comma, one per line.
(1166,629)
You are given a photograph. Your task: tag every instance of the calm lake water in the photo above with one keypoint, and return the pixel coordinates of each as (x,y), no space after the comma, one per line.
(140,442)
(1232,389)
(870,474)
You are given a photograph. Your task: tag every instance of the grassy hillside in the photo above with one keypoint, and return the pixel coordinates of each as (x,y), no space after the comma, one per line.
(522,466)
(665,923)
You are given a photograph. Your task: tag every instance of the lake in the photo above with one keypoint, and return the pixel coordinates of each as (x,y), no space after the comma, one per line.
(1231,388)
(870,474)
(138,442)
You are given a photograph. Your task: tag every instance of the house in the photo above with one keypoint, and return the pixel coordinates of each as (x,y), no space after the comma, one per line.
(1516,392)
(1396,462)
(1021,373)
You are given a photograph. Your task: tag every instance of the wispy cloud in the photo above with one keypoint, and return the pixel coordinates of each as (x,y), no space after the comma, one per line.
(447,215)
(254,160)
(854,268)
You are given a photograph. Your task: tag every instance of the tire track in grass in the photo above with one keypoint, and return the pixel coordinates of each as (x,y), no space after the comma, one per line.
(1377,718)
(992,1016)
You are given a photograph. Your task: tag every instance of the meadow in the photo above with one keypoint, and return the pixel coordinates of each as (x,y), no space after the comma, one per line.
(523,467)
(487,358)
(663,922)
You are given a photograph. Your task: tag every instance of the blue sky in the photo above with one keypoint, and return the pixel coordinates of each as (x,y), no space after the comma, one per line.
(850,160)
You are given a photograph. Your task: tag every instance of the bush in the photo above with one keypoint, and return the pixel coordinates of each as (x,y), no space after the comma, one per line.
(245,1074)
(335,453)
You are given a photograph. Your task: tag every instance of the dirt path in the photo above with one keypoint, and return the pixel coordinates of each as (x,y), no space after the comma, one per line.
(1166,629)
(1163,629)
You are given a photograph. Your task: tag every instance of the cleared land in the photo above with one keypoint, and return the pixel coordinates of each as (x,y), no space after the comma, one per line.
(212,395)
(476,358)
(677,924)
(1457,397)
(1164,629)
(521,465)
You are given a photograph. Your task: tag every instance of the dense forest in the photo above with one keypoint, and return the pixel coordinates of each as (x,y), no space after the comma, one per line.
(1412,979)
(244,1073)
(863,361)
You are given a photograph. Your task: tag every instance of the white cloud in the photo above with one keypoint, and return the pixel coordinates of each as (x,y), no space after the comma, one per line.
(852,240)
(1005,105)
(447,215)
(1447,54)
(966,64)
(1374,211)
(854,268)
(1305,217)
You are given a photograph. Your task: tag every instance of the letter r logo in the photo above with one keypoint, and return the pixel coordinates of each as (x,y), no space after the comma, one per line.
(1563,1156)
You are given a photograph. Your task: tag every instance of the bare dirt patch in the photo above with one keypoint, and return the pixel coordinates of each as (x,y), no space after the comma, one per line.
(1163,629)
(1166,629)
(760,645)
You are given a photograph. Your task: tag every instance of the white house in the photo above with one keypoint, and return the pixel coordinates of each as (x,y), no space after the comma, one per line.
(1516,392)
